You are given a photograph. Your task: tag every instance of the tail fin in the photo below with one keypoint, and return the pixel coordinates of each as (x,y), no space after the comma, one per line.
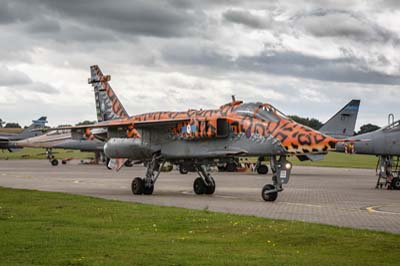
(34,129)
(342,124)
(37,124)
(108,106)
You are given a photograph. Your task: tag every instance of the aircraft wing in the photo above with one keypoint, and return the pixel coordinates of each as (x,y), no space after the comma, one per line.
(128,122)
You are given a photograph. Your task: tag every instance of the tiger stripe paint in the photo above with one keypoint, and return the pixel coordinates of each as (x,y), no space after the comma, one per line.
(295,139)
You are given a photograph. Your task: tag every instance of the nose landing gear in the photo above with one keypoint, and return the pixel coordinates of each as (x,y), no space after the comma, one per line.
(281,169)
(146,185)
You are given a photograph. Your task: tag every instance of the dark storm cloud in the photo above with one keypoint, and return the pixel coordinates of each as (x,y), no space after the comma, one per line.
(339,23)
(245,18)
(186,55)
(13,11)
(146,18)
(43,25)
(287,63)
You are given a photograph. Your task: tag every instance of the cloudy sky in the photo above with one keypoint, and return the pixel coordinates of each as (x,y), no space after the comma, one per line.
(304,58)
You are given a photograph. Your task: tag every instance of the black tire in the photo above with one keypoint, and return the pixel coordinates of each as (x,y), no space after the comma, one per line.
(269,196)
(54,162)
(221,168)
(63,162)
(137,186)
(198,186)
(230,167)
(210,189)
(262,169)
(148,190)
(395,183)
(183,170)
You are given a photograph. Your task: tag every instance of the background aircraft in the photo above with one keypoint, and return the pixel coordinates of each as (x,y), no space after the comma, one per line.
(201,137)
(385,143)
(35,129)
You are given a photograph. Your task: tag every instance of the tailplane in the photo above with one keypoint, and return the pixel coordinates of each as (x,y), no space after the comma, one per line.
(343,123)
(108,106)
(37,124)
(35,129)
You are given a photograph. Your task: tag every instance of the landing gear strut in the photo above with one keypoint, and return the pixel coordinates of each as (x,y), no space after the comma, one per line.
(281,169)
(51,158)
(146,185)
(205,183)
(388,170)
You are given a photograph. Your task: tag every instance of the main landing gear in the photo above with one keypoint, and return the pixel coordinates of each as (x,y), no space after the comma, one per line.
(146,185)
(281,169)
(388,171)
(205,183)
(261,169)
(51,158)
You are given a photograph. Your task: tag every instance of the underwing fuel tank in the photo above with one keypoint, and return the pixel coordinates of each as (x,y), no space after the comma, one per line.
(130,148)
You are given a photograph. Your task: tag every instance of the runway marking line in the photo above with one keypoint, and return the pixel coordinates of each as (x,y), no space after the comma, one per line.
(375,209)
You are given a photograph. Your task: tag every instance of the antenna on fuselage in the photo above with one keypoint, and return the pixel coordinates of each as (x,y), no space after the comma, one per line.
(390,118)
(233,98)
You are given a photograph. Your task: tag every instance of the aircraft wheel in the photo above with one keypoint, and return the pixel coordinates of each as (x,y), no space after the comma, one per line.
(137,186)
(230,167)
(396,183)
(183,170)
(262,169)
(54,162)
(209,190)
(199,187)
(269,193)
(148,190)
(221,169)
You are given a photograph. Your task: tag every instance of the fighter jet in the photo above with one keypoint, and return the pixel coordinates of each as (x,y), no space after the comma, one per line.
(35,129)
(201,137)
(108,107)
(384,143)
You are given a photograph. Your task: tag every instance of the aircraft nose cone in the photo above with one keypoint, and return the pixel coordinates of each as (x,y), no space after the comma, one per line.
(306,140)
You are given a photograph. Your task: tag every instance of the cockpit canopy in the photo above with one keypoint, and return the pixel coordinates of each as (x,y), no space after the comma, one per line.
(261,111)
(395,126)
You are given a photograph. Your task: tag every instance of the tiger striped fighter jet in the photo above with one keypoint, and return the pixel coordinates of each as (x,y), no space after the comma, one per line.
(202,137)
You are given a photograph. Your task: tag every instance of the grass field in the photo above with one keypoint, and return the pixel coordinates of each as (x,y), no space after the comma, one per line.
(42,228)
(37,153)
(337,159)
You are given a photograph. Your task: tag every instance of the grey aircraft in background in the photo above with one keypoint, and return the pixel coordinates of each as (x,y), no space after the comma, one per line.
(384,143)
(35,129)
